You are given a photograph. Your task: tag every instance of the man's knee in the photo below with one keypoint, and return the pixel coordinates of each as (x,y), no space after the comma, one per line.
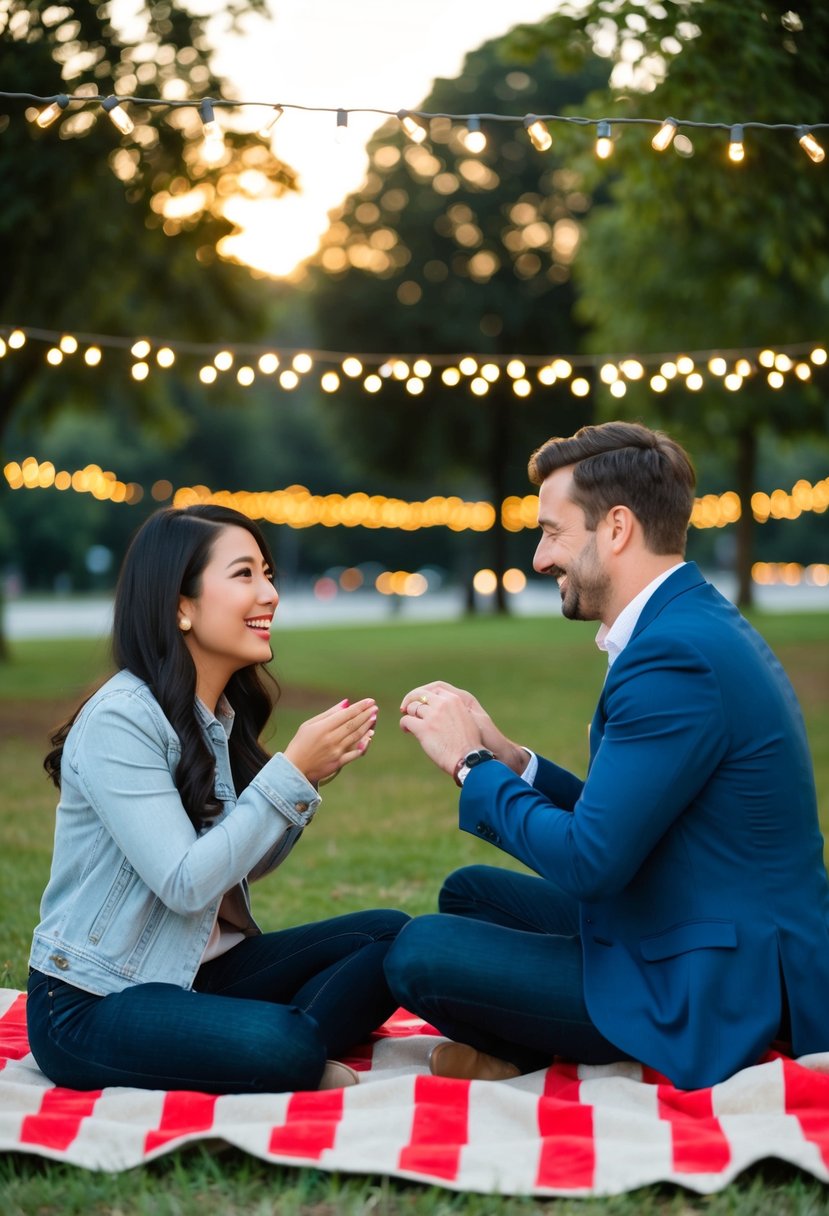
(462,890)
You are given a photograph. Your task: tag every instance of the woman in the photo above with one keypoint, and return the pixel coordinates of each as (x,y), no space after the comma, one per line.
(147,968)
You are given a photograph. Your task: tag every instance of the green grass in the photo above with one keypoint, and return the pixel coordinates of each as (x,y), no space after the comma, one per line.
(385,835)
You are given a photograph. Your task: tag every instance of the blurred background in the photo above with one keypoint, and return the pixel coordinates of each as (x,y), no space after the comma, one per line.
(320,261)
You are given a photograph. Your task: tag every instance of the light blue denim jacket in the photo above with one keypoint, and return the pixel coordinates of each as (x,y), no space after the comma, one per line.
(135,889)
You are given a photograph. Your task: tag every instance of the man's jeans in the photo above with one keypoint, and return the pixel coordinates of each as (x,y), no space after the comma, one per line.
(500,968)
(263,1017)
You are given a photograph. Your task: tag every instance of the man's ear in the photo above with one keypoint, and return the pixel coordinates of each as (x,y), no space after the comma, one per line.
(623,525)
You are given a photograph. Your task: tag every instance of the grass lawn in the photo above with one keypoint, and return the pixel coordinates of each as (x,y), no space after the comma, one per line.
(386,835)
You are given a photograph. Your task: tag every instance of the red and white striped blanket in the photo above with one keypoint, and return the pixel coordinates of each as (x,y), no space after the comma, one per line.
(569,1130)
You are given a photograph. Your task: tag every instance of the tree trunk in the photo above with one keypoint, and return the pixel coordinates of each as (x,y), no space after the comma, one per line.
(498,460)
(746,484)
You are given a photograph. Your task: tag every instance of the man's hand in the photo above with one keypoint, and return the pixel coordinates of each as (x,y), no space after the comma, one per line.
(480,730)
(442,724)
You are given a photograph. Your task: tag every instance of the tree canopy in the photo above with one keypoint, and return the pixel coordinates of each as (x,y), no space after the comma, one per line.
(690,251)
(111,234)
(451,252)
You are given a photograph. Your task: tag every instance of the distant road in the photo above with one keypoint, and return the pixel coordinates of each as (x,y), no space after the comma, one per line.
(64,617)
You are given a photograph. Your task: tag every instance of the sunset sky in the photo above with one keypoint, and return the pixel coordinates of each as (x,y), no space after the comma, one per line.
(366,53)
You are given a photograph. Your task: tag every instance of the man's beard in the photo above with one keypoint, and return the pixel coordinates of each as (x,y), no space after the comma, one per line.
(585,592)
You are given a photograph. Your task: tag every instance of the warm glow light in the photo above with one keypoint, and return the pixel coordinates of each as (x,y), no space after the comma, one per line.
(479,386)
(17,338)
(208,375)
(669,370)
(717,366)
(694,382)
(302,363)
(516,369)
(330,382)
(658,383)
(414,129)
(664,136)
(546,375)
(53,111)
(54,356)
(632,368)
(733,381)
(490,372)
(165,357)
(743,368)
(422,368)
(604,144)
(580,387)
(118,115)
(68,344)
(776,379)
(810,145)
(485,582)
(450,376)
(684,365)
(92,356)
(474,140)
(352,367)
(514,580)
(538,132)
(213,148)
(521,388)
(618,388)
(140,349)
(414,385)
(818,355)
(608,373)
(802,371)
(372,384)
(268,363)
(562,368)
(288,380)
(246,376)
(140,371)
(468,366)
(736,151)
(223,360)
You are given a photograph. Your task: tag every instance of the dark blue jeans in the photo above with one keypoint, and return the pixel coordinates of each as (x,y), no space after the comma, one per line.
(500,968)
(262,1018)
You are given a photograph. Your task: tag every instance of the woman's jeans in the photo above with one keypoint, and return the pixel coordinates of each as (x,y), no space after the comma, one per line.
(263,1017)
(500,968)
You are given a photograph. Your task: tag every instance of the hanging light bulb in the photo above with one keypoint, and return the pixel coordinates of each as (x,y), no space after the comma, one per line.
(266,130)
(53,111)
(414,129)
(118,115)
(604,144)
(474,140)
(736,151)
(341,134)
(664,137)
(213,148)
(810,145)
(540,136)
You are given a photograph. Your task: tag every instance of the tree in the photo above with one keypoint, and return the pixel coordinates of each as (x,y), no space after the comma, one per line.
(690,251)
(449,252)
(111,234)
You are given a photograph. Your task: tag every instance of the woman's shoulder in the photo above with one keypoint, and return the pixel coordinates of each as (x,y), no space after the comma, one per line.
(124,695)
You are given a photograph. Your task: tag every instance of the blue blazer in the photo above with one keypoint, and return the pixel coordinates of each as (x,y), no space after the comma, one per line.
(693,845)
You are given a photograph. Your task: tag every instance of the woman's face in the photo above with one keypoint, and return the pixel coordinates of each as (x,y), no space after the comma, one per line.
(231,616)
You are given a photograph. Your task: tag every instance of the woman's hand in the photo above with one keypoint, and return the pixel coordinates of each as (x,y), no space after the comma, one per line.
(325,744)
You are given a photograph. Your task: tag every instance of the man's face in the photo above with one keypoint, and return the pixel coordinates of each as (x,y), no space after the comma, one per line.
(569,551)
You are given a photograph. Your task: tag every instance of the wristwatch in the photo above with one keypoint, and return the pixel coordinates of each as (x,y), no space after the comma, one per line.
(478,756)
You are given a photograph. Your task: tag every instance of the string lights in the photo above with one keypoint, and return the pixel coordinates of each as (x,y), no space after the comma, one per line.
(297,507)
(415,122)
(523,375)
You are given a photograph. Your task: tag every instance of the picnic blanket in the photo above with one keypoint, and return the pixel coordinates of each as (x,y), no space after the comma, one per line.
(566,1130)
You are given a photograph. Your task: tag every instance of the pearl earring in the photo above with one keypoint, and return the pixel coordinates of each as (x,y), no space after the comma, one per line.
(185,624)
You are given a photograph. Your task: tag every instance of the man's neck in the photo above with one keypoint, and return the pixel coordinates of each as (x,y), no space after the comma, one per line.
(631,581)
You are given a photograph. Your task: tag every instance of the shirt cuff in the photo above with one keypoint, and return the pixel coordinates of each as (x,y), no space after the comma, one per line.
(530,772)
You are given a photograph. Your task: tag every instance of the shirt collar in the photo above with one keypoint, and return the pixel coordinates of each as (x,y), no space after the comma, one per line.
(224,715)
(614,639)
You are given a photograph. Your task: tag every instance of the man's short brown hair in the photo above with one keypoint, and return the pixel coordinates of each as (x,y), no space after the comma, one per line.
(626,464)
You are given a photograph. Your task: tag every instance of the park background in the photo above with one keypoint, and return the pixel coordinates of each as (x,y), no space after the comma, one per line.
(179,316)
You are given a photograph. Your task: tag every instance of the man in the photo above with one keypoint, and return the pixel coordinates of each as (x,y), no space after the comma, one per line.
(681,916)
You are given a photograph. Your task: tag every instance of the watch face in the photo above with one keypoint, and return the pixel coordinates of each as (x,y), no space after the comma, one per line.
(477,757)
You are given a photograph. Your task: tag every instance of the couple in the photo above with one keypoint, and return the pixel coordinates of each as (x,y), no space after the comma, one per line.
(680,913)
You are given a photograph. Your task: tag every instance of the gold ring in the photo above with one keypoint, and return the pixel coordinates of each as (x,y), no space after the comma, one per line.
(424,700)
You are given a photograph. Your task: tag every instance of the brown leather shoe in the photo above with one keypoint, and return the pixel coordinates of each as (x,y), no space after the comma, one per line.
(338,1076)
(466,1064)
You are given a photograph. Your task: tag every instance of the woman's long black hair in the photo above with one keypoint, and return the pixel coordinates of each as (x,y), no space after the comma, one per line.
(165,561)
